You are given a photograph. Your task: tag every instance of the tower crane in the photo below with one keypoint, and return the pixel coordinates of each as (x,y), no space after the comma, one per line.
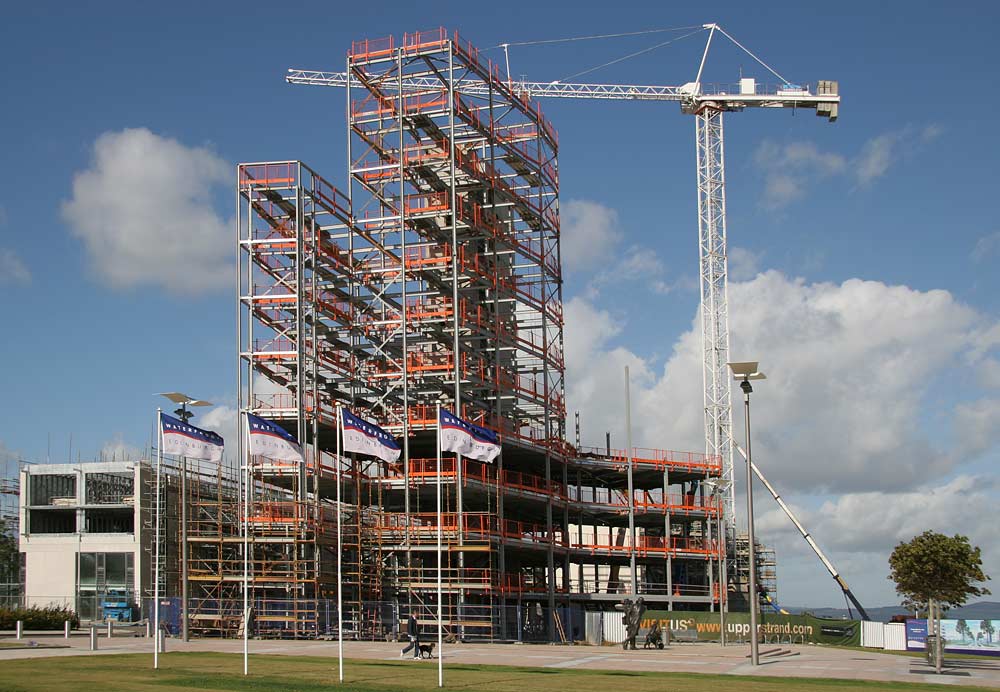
(708,104)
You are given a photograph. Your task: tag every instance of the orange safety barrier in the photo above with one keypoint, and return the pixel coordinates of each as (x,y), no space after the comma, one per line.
(653,545)
(656,458)
(422,40)
(366,49)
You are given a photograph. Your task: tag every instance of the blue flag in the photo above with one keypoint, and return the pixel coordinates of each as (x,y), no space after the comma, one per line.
(185,440)
(268,439)
(467,439)
(367,438)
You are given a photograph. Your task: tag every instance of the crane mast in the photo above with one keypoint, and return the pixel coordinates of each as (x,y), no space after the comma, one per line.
(707,103)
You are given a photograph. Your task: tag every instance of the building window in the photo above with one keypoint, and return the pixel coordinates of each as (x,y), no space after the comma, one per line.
(51,521)
(109,520)
(109,488)
(104,578)
(53,489)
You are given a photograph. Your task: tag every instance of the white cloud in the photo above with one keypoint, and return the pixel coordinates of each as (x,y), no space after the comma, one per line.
(595,370)
(848,367)
(989,373)
(789,167)
(743,263)
(637,264)
(117,449)
(591,238)
(879,153)
(859,530)
(589,231)
(223,420)
(976,425)
(986,246)
(12,269)
(143,210)
(874,522)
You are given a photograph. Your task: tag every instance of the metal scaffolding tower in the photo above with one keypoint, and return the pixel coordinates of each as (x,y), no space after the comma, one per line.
(435,275)
(707,103)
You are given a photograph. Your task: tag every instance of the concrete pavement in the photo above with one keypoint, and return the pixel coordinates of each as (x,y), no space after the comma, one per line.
(779,661)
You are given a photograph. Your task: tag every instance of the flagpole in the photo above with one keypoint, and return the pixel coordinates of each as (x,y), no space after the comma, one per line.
(246,551)
(439,613)
(156,538)
(340,552)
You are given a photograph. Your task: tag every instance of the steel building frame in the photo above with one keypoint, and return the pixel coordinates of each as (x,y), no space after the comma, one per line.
(435,277)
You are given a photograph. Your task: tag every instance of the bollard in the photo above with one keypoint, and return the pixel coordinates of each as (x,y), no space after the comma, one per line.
(20,629)
(111,628)
(93,638)
(161,639)
(148,631)
(66,629)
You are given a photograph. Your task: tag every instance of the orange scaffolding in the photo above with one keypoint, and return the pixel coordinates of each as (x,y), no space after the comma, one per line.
(435,273)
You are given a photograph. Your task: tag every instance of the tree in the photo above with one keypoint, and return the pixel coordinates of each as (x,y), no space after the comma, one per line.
(10,559)
(962,628)
(936,567)
(986,627)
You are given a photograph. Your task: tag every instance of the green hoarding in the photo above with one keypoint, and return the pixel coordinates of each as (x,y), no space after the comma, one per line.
(771,626)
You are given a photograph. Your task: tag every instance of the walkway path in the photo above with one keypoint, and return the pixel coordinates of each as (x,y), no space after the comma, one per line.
(782,661)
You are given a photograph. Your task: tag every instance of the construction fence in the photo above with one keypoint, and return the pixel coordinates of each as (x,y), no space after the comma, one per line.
(378,620)
(706,626)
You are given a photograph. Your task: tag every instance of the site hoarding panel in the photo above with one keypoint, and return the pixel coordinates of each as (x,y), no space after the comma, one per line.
(961,635)
(806,628)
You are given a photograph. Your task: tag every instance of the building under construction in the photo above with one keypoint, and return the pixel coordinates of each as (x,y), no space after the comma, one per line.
(432,276)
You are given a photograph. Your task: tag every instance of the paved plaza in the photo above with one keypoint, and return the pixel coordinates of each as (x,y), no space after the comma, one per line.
(782,661)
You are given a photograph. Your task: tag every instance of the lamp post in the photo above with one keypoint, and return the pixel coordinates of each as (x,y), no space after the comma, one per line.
(745,372)
(719,487)
(184,400)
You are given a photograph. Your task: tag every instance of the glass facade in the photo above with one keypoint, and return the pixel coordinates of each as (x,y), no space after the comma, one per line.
(100,574)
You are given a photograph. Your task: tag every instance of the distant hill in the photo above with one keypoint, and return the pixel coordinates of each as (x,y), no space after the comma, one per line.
(984,610)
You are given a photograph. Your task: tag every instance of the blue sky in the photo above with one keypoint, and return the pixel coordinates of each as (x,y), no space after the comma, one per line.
(870,242)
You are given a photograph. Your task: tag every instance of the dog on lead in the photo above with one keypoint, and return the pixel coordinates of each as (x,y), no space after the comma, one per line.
(427,650)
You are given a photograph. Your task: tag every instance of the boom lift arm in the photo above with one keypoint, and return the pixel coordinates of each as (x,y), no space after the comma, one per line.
(806,535)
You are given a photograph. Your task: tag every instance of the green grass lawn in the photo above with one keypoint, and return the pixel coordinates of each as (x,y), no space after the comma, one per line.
(214,671)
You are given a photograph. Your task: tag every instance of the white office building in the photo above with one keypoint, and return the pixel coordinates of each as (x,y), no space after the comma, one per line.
(83,531)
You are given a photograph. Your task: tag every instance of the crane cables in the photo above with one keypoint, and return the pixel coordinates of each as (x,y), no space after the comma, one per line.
(692,30)
(596,36)
(630,55)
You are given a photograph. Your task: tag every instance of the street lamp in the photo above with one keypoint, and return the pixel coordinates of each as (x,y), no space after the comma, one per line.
(184,400)
(743,373)
(719,486)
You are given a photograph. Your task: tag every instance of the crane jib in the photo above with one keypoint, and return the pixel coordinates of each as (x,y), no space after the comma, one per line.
(692,96)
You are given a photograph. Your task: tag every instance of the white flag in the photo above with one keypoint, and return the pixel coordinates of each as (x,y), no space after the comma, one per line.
(367,438)
(185,440)
(268,439)
(467,439)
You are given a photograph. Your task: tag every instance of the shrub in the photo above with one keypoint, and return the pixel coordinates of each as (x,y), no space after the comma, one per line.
(35,618)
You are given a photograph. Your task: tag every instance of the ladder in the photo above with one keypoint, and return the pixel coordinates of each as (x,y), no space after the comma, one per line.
(559,627)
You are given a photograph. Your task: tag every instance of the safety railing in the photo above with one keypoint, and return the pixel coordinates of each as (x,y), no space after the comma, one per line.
(644,501)
(652,458)
(648,546)
(365,49)
(422,528)
(424,40)
(278,174)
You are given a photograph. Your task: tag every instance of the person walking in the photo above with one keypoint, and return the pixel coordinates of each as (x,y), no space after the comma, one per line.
(413,632)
